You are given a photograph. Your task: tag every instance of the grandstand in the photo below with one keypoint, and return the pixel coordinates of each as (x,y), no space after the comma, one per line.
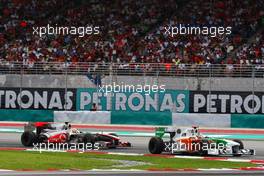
(132,32)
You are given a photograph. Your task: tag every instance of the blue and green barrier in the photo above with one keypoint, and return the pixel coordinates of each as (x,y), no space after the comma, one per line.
(26,115)
(247,121)
(136,118)
(141,118)
(232,109)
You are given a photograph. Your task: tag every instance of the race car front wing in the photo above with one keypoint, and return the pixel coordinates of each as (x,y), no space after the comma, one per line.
(230,152)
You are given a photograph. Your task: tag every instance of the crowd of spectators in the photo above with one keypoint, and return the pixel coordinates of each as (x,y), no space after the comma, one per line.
(253,52)
(243,16)
(131,32)
(120,22)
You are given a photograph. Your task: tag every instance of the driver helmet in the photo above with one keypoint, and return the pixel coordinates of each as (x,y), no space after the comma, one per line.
(67,126)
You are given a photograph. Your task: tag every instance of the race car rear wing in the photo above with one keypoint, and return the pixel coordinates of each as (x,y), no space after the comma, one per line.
(161,131)
(38,126)
(29,127)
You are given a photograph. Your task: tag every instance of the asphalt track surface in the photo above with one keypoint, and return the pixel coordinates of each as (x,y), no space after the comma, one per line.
(140,145)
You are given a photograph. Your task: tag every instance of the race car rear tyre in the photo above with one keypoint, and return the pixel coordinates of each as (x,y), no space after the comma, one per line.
(156,145)
(28,138)
(241,146)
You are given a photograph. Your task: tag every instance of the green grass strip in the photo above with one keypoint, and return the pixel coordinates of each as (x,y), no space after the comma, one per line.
(17,160)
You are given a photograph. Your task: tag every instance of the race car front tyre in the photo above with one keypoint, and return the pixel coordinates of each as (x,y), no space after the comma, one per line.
(156,145)
(204,144)
(28,138)
(241,146)
(237,148)
(88,139)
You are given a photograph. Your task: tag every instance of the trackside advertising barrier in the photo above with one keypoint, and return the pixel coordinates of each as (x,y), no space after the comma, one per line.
(168,101)
(161,118)
(226,102)
(37,99)
(204,108)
